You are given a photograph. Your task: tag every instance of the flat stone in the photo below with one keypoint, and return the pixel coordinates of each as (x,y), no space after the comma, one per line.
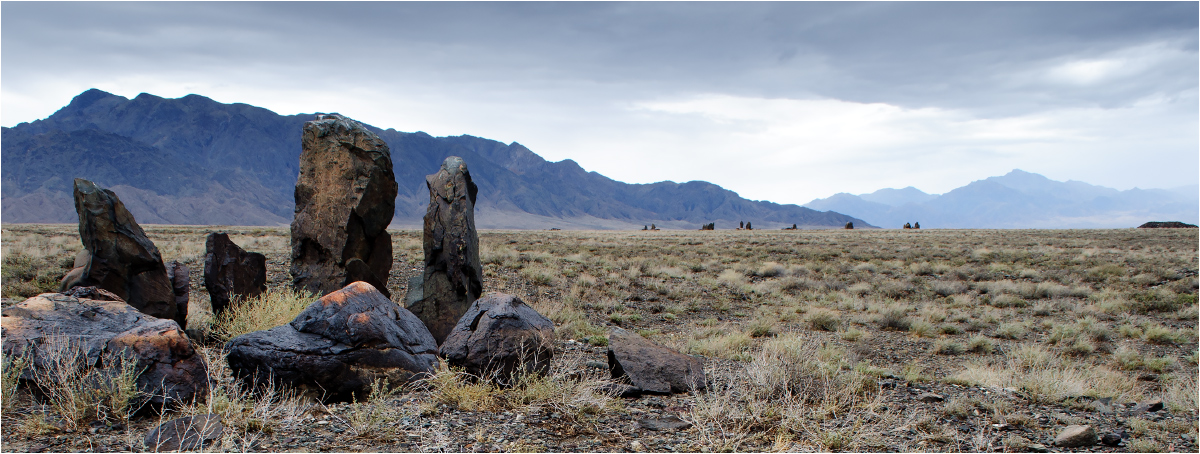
(192,433)
(1151,405)
(1076,436)
(930,398)
(664,423)
(1110,439)
(652,367)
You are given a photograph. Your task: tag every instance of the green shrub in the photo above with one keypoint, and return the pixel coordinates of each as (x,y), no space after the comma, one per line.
(274,307)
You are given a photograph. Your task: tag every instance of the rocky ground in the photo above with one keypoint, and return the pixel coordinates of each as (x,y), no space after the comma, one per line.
(934,381)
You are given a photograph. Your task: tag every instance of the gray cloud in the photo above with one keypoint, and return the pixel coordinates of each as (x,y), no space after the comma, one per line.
(581,69)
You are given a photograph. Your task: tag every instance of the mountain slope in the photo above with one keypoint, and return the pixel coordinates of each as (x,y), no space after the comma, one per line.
(193,160)
(1022,199)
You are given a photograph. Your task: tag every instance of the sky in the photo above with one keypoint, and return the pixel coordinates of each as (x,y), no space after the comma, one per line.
(785,102)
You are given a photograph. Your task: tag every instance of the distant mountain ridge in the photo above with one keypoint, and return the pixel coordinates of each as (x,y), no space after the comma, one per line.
(1019,199)
(192,160)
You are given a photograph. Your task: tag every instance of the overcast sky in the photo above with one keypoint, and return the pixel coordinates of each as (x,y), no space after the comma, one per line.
(784,102)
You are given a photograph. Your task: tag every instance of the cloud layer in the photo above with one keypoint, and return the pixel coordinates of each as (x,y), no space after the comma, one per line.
(778,101)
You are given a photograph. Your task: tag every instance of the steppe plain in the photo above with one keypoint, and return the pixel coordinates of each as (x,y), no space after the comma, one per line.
(814,340)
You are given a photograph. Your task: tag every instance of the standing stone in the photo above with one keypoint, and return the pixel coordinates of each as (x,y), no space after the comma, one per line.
(230,271)
(181,283)
(849,226)
(345,199)
(453,276)
(120,258)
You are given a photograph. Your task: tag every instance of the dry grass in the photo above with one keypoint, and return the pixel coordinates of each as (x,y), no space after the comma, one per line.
(1053,314)
(275,307)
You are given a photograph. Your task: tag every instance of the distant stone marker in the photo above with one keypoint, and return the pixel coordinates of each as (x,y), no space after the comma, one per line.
(345,199)
(849,226)
(453,277)
(1166,225)
(230,271)
(120,258)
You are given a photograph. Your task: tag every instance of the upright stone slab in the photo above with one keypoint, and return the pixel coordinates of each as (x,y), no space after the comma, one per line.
(181,285)
(453,277)
(230,271)
(345,198)
(120,258)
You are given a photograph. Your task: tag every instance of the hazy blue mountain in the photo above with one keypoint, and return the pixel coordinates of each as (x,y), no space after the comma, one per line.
(898,197)
(1020,199)
(193,160)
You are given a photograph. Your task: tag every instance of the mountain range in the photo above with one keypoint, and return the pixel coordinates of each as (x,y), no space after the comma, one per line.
(1019,199)
(193,160)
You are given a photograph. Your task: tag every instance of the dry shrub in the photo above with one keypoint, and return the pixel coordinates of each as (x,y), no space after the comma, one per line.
(564,390)
(1048,377)
(78,390)
(11,371)
(794,384)
(274,307)
(823,320)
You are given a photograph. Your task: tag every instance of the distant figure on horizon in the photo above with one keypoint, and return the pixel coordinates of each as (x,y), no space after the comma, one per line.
(748,226)
(645,227)
(741,225)
(849,226)
(917,225)
(907,225)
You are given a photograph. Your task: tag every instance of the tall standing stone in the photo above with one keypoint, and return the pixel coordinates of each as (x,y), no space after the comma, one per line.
(120,259)
(230,271)
(453,277)
(345,199)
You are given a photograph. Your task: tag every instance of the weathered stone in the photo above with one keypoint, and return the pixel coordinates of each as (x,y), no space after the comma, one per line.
(667,423)
(231,272)
(172,370)
(1076,436)
(1110,439)
(337,346)
(453,277)
(191,433)
(652,367)
(181,283)
(1151,405)
(930,398)
(121,258)
(500,337)
(849,226)
(345,199)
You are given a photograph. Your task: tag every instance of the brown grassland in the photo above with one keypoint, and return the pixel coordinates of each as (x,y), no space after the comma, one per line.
(815,340)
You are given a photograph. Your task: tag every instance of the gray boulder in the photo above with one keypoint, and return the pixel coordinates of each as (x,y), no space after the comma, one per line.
(1076,436)
(337,346)
(191,433)
(345,199)
(500,338)
(231,272)
(453,277)
(172,369)
(120,259)
(652,367)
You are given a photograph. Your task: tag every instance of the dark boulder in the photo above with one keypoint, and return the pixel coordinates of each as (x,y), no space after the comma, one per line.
(500,338)
(453,277)
(121,259)
(338,346)
(345,199)
(231,272)
(849,226)
(172,369)
(652,367)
